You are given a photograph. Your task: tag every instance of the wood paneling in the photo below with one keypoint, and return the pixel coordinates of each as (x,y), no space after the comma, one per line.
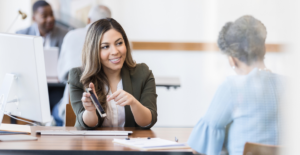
(189,46)
(274,47)
(6,119)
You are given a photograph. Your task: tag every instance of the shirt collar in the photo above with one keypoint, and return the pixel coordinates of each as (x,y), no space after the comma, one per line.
(37,31)
(119,86)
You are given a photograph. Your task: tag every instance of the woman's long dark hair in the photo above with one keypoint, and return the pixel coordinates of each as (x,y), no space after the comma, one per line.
(91,63)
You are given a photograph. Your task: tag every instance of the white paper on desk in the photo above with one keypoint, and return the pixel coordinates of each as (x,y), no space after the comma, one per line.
(144,143)
(16,138)
(15,128)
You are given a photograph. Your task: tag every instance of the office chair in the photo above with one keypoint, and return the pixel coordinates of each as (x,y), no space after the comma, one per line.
(260,149)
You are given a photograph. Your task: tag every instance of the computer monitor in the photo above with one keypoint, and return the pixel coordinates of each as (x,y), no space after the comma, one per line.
(23,56)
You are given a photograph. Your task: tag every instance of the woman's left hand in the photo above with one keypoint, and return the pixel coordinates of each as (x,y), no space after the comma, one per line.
(122,98)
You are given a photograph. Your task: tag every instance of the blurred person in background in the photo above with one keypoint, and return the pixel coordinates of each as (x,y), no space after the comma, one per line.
(70,57)
(246,104)
(44,26)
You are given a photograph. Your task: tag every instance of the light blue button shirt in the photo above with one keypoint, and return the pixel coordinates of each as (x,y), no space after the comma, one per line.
(248,106)
(46,38)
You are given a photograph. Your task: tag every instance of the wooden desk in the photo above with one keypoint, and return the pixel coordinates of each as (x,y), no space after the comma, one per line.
(93,143)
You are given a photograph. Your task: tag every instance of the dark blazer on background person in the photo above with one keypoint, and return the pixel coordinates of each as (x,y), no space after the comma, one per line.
(56,38)
(139,82)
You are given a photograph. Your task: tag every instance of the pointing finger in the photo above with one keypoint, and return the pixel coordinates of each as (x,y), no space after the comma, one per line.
(114,95)
(92,86)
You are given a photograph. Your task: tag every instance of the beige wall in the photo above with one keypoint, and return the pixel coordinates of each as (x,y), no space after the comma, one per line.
(72,12)
(9,12)
(190,20)
(177,20)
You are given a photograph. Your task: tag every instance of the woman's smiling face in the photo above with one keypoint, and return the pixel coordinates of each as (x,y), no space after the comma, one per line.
(112,51)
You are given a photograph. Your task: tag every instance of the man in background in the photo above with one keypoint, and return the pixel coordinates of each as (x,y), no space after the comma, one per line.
(44,25)
(70,57)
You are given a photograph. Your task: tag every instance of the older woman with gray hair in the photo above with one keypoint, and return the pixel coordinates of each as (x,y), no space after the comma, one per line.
(245,104)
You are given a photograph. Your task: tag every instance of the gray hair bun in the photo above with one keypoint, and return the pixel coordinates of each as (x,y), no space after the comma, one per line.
(221,41)
(243,39)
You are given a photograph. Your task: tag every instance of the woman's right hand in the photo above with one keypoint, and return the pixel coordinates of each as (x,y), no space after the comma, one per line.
(86,100)
(89,115)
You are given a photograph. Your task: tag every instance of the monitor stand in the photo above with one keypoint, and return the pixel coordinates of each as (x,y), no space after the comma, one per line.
(4,93)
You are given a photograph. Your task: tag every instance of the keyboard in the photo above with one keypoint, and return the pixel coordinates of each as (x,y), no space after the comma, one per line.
(83,133)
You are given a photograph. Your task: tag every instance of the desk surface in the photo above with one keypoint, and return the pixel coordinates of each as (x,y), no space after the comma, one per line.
(94,142)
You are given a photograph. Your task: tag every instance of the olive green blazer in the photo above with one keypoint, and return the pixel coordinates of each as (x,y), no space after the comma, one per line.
(139,82)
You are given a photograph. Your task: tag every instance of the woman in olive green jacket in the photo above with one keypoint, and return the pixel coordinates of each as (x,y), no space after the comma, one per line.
(126,90)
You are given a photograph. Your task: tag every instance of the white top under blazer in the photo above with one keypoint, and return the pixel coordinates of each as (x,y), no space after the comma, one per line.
(115,113)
